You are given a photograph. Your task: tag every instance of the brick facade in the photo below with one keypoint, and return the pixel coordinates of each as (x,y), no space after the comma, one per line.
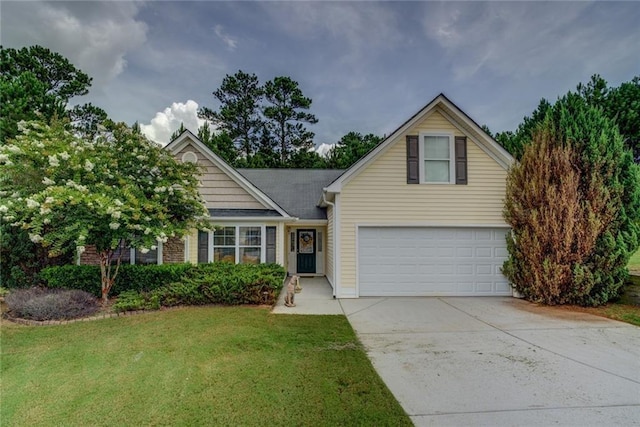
(172,253)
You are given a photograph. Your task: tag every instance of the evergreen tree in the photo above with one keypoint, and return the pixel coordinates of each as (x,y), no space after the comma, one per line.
(619,104)
(351,148)
(239,117)
(36,84)
(573,202)
(177,132)
(286,117)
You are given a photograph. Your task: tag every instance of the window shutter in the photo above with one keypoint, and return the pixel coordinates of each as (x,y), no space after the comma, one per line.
(271,245)
(461,159)
(413,164)
(203,247)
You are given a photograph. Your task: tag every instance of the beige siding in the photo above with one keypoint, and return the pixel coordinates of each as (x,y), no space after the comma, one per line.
(380,195)
(217,189)
(329,246)
(193,247)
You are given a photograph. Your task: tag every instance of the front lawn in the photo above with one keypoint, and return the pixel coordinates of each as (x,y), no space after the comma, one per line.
(634,263)
(193,366)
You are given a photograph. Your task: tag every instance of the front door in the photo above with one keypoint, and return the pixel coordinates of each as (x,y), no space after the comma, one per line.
(306,251)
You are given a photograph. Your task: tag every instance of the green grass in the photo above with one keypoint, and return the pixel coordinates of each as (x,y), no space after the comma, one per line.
(626,309)
(634,262)
(192,366)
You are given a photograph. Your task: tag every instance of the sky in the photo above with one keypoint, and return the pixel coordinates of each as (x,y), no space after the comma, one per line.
(367,66)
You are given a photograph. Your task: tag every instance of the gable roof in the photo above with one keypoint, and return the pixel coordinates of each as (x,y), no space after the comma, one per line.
(296,190)
(453,114)
(187,137)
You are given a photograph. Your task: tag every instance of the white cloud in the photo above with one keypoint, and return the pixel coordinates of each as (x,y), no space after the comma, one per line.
(168,121)
(95,36)
(229,41)
(323,149)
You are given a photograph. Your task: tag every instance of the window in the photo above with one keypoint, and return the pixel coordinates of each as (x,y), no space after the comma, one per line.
(153,256)
(242,244)
(437,154)
(224,244)
(436,158)
(250,245)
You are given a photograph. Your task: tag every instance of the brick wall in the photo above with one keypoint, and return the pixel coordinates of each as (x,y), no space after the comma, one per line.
(173,251)
(90,256)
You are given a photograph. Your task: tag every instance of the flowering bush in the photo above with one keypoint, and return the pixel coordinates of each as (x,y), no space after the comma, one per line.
(118,188)
(50,304)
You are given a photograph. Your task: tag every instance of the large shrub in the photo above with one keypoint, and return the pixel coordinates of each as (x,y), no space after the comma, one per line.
(139,278)
(217,283)
(573,203)
(50,304)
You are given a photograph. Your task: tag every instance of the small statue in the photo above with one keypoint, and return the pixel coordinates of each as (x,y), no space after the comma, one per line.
(291,293)
(296,278)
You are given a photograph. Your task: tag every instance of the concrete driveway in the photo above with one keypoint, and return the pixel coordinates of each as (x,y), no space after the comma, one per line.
(500,361)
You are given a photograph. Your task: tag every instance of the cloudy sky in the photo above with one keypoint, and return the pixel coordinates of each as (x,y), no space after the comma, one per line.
(367,66)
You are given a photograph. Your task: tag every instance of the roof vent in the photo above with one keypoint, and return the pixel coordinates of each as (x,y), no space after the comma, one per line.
(189,157)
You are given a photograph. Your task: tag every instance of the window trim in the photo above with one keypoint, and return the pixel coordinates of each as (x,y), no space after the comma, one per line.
(237,246)
(452,153)
(159,255)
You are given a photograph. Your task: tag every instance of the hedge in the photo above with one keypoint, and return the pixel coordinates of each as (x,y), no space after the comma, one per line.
(219,283)
(139,278)
(151,286)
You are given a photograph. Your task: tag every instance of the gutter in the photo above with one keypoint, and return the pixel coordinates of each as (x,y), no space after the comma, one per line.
(335,249)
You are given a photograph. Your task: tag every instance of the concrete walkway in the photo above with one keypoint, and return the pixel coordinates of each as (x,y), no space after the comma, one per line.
(316,298)
(500,361)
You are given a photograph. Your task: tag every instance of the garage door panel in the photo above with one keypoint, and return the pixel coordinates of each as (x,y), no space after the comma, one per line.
(431,261)
(463,252)
(484,252)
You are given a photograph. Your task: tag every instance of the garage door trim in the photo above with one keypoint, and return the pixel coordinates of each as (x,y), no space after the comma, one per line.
(409,225)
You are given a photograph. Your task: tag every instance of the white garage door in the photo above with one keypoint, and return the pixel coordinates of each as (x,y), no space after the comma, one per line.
(421,261)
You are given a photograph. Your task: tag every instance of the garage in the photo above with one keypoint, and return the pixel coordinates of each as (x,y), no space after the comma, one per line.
(431,261)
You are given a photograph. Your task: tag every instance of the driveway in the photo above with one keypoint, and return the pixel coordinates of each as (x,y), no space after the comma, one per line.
(500,361)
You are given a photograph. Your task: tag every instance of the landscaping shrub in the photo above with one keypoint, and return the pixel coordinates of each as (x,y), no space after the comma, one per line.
(144,278)
(218,283)
(140,278)
(50,304)
(132,300)
(83,277)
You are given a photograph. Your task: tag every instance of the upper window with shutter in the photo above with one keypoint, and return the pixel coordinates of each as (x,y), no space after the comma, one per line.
(440,159)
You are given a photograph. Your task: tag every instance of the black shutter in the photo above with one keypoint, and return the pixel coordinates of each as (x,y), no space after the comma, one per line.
(203,247)
(461,159)
(271,245)
(413,166)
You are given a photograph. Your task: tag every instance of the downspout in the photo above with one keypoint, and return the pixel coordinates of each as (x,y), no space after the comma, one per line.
(335,252)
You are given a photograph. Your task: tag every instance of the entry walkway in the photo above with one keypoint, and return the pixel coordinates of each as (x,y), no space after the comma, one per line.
(316,298)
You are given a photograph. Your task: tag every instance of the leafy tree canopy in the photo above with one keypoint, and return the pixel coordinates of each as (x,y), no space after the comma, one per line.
(351,148)
(266,122)
(239,116)
(620,104)
(118,189)
(286,115)
(36,83)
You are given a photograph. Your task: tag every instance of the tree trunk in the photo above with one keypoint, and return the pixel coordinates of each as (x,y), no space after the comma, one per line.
(107,279)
